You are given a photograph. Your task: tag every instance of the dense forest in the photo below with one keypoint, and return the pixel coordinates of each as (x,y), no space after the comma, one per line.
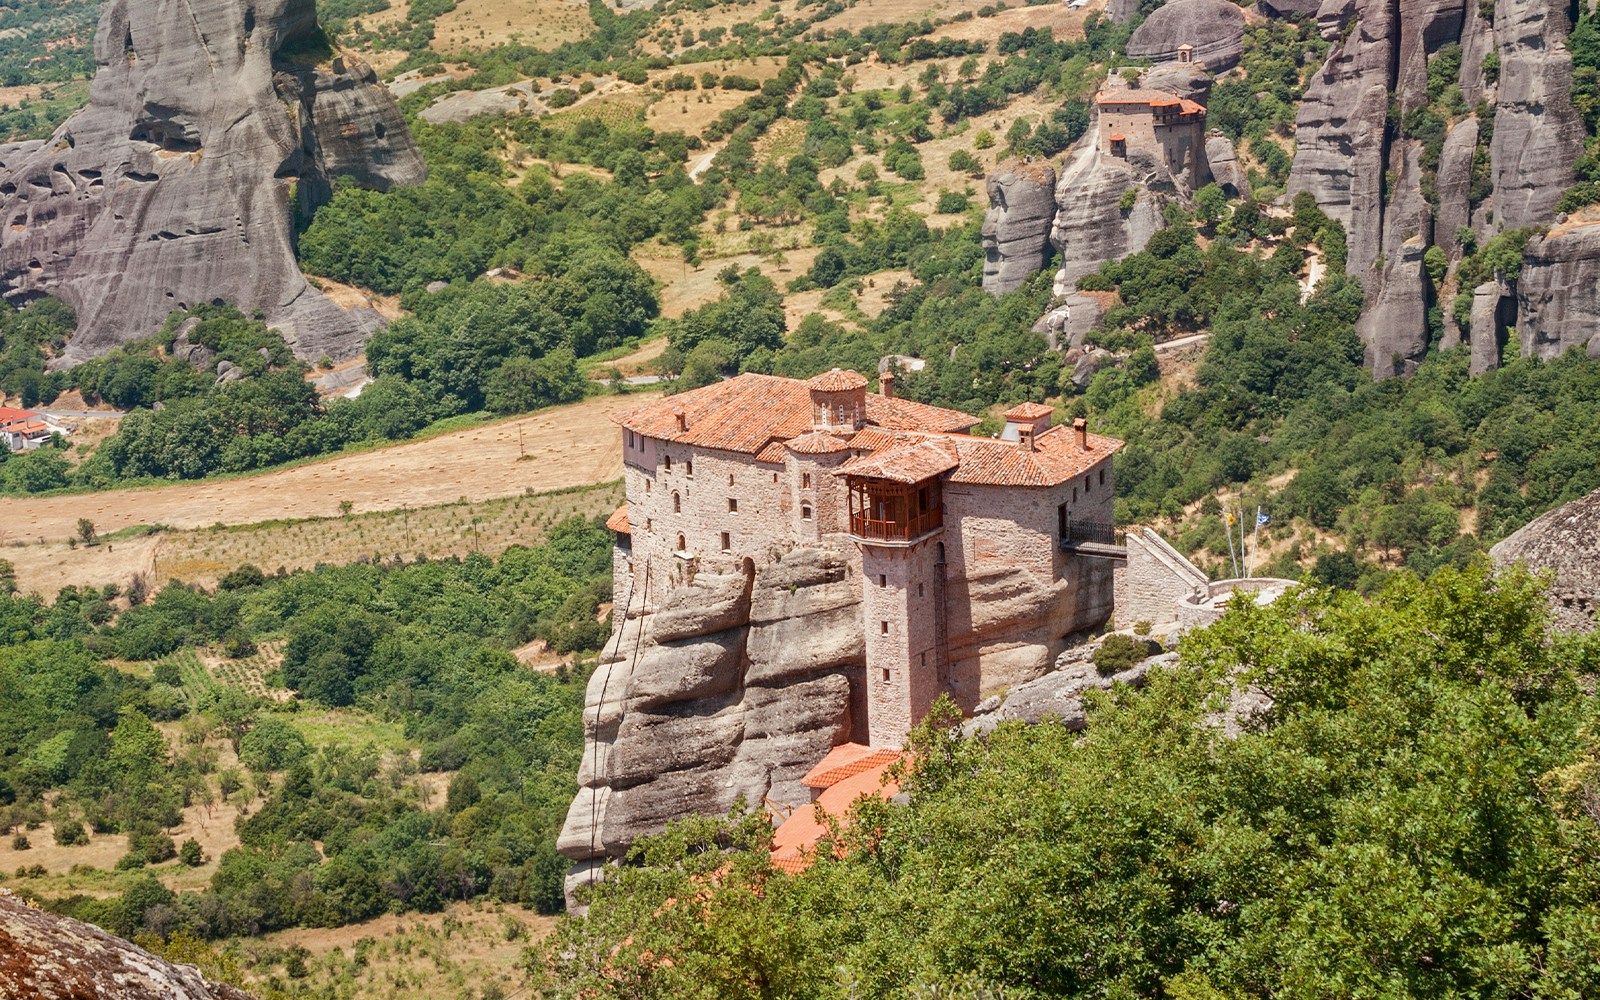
(1415,815)
(103,730)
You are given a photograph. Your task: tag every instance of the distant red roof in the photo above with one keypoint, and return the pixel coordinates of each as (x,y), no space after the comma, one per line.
(1054,458)
(1032,411)
(1150,98)
(818,443)
(10,414)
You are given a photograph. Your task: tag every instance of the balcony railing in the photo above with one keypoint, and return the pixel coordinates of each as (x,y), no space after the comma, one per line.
(896,530)
(1079,532)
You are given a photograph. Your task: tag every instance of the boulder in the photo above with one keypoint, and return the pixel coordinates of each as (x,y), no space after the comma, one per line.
(1188,80)
(1293,9)
(1065,326)
(1225,168)
(1564,542)
(210,125)
(47,957)
(1016,229)
(1215,28)
(1558,293)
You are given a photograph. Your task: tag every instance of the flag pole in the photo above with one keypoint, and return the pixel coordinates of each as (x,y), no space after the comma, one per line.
(1227,527)
(1255,542)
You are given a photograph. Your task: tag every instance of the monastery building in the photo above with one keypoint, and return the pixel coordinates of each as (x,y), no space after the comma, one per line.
(945,527)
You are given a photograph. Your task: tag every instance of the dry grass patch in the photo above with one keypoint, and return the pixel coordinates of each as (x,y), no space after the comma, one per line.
(487,526)
(690,111)
(685,286)
(486,24)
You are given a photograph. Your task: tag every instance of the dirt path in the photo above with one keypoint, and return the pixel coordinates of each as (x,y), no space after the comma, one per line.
(567,446)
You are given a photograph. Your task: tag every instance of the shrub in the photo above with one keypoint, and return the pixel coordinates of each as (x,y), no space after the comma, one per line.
(190,853)
(20,842)
(1119,652)
(952,203)
(70,833)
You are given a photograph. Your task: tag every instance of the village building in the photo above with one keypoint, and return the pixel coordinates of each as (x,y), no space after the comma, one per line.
(1155,124)
(969,550)
(25,430)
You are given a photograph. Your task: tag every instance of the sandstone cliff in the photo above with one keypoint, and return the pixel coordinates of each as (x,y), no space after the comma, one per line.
(734,687)
(46,957)
(1016,229)
(210,124)
(1091,227)
(1213,28)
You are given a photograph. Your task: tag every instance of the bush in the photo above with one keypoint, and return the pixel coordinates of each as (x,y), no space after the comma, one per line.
(71,833)
(20,842)
(1119,652)
(190,853)
(952,203)
(272,745)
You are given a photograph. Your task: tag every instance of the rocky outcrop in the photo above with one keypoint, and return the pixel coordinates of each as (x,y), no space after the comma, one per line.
(1564,542)
(1188,80)
(1226,171)
(732,688)
(210,124)
(1016,229)
(1340,130)
(1059,694)
(1455,184)
(1289,8)
(1091,227)
(1215,28)
(1538,136)
(1558,293)
(46,957)
(1493,307)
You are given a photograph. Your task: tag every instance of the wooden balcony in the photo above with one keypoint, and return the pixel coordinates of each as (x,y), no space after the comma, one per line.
(898,529)
(891,512)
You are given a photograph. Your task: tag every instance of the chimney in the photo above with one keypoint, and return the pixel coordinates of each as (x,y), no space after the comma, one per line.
(1025,439)
(886,385)
(1080,428)
(683,418)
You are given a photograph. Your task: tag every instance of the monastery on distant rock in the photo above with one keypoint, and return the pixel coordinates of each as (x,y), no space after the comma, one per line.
(1157,124)
(946,526)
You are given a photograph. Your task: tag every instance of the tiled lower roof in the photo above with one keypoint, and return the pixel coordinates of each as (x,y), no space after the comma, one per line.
(794,843)
(845,761)
(618,521)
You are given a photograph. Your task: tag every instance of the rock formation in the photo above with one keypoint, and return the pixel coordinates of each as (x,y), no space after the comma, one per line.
(1486,334)
(1016,229)
(1370,175)
(734,687)
(1558,293)
(1566,543)
(1091,227)
(46,957)
(1225,168)
(1215,28)
(210,124)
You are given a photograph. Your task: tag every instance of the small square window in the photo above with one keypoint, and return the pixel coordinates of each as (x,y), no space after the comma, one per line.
(1087,486)
(886,675)
(726,542)
(805,512)
(919,590)
(733,505)
(883,580)
(647,486)
(883,628)
(730,479)
(924,659)
(1102,477)
(688,467)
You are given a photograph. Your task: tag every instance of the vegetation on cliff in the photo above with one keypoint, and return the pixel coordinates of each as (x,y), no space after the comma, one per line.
(1415,815)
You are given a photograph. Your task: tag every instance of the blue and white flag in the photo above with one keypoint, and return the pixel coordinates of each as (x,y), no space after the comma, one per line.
(1261,519)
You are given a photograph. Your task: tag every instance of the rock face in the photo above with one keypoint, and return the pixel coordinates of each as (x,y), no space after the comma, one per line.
(1090,225)
(1566,543)
(1016,229)
(1370,175)
(210,124)
(1225,168)
(734,687)
(46,957)
(1558,294)
(1214,27)
(1486,336)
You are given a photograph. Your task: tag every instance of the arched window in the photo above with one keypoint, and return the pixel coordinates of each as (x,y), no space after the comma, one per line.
(688,467)
(668,463)
(677,504)
(805,512)
(681,544)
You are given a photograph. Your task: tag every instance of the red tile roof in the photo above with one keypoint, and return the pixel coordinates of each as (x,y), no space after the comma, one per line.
(794,843)
(1031,411)
(846,761)
(837,380)
(618,521)
(818,443)
(10,414)
(747,413)
(1055,458)
(1152,98)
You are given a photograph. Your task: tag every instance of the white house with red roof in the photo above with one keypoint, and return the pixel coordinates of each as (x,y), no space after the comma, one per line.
(950,530)
(25,430)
